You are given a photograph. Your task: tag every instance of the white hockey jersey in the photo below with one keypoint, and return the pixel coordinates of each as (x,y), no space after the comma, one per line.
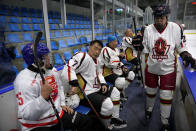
(110,58)
(33,110)
(161,47)
(84,69)
(127,45)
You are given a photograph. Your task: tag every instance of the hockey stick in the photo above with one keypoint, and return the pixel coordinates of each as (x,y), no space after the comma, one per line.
(138,54)
(38,37)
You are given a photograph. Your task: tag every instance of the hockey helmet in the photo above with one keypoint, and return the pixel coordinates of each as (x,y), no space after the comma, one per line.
(27,52)
(161,10)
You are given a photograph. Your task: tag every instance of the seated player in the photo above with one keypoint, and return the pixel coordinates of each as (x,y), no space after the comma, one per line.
(113,70)
(35,111)
(83,70)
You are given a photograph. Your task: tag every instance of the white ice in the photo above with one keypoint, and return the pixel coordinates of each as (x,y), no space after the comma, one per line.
(191,41)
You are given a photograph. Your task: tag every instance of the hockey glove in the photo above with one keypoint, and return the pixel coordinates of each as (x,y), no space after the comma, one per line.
(137,43)
(188,59)
(135,61)
(124,68)
(104,88)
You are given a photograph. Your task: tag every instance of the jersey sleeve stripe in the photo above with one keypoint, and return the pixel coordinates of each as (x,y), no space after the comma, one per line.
(181,44)
(107,52)
(128,41)
(84,54)
(181,30)
(115,61)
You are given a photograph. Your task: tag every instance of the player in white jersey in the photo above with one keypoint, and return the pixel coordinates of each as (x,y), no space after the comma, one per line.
(131,52)
(35,111)
(113,70)
(128,48)
(83,70)
(161,41)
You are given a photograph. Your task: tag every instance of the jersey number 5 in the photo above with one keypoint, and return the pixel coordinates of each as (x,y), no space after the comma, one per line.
(20,100)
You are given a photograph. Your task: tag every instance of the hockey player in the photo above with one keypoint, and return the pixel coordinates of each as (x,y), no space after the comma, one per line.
(83,70)
(35,111)
(160,41)
(129,50)
(113,70)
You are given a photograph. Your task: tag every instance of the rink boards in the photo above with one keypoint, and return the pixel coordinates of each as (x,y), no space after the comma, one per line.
(185,95)
(189,73)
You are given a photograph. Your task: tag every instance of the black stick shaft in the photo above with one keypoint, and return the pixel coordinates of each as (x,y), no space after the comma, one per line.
(138,54)
(134,24)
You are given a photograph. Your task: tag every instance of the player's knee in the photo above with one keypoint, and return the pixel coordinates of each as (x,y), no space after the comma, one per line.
(131,75)
(151,91)
(166,94)
(120,83)
(107,107)
(115,95)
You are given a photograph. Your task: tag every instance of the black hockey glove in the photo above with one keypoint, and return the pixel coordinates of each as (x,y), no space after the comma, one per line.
(135,61)
(188,59)
(137,43)
(124,69)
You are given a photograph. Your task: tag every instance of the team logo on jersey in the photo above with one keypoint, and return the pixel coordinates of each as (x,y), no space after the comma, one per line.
(160,50)
(52,82)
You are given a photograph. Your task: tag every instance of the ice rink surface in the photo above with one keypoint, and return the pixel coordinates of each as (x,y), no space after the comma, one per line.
(191,41)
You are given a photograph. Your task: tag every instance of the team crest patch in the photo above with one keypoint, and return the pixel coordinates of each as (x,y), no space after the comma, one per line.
(160,50)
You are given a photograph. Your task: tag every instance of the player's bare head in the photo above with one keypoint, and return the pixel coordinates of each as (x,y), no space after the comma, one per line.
(128,33)
(95,48)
